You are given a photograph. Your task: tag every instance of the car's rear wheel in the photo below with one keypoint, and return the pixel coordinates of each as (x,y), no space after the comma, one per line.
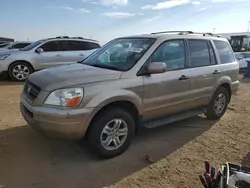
(111,132)
(19,71)
(218,104)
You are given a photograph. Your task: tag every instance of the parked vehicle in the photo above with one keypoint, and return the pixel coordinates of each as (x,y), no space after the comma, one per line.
(44,54)
(150,81)
(240,43)
(243,58)
(4,39)
(13,45)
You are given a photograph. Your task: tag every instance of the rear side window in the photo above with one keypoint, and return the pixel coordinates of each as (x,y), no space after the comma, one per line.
(225,52)
(88,45)
(199,53)
(92,45)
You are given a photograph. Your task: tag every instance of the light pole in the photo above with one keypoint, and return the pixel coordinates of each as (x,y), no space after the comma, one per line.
(214,30)
(248,30)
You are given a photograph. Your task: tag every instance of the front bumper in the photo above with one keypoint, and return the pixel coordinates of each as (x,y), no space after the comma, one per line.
(68,123)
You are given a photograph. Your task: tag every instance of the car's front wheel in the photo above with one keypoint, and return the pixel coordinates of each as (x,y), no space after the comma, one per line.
(111,132)
(19,71)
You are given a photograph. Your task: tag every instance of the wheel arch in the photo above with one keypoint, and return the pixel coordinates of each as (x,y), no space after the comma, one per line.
(229,89)
(126,105)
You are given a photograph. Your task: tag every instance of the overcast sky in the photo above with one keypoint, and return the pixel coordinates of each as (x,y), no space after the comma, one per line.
(107,19)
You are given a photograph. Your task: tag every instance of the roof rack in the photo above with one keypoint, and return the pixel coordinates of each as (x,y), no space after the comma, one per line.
(83,38)
(179,32)
(186,33)
(62,37)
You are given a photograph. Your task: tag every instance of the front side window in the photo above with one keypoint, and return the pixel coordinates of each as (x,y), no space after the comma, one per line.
(32,45)
(172,53)
(199,53)
(225,52)
(120,54)
(52,46)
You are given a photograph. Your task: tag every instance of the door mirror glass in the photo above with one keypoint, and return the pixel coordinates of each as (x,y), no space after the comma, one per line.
(157,68)
(39,50)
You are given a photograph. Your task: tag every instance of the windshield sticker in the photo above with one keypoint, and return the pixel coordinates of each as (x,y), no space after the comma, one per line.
(134,49)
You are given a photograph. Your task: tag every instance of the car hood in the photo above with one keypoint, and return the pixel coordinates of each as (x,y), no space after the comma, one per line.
(4,51)
(71,75)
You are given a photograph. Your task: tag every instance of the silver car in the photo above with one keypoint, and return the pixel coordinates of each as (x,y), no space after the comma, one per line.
(13,45)
(44,54)
(132,82)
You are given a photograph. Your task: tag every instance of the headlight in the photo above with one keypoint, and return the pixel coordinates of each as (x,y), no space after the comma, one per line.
(71,97)
(3,57)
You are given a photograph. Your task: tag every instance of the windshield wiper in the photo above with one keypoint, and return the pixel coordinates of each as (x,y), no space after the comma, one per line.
(104,66)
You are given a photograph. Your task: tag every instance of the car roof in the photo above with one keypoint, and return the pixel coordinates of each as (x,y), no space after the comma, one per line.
(178,35)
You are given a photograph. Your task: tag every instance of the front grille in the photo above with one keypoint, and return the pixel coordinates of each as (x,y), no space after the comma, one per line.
(31,90)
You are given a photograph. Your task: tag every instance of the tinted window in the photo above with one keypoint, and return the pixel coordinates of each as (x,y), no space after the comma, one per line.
(225,52)
(247,55)
(52,46)
(172,53)
(88,45)
(92,45)
(19,45)
(66,46)
(199,53)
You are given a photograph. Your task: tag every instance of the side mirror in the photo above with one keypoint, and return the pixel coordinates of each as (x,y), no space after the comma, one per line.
(39,50)
(156,68)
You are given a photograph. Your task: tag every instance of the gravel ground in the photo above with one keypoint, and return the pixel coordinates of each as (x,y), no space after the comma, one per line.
(177,151)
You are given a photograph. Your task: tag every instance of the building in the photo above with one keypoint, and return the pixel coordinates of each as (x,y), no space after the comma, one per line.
(3,39)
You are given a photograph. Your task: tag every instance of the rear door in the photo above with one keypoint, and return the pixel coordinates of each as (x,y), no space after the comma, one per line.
(204,71)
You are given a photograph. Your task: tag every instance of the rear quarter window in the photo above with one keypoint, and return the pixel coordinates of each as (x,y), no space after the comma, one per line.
(225,52)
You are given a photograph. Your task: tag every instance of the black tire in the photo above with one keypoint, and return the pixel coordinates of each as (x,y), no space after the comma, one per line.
(211,112)
(94,134)
(22,64)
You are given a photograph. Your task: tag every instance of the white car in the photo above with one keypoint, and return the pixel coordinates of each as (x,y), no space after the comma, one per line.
(19,64)
(13,45)
(242,58)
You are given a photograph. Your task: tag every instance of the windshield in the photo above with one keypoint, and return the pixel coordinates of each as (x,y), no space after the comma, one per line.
(120,54)
(32,45)
(4,45)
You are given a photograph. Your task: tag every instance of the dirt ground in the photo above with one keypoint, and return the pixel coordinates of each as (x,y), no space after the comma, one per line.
(178,150)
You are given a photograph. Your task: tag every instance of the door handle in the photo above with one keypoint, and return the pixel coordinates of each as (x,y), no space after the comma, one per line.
(183,77)
(216,72)
(81,54)
(58,55)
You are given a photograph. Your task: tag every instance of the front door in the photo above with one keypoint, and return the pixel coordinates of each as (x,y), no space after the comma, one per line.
(167,93)
(52,55)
